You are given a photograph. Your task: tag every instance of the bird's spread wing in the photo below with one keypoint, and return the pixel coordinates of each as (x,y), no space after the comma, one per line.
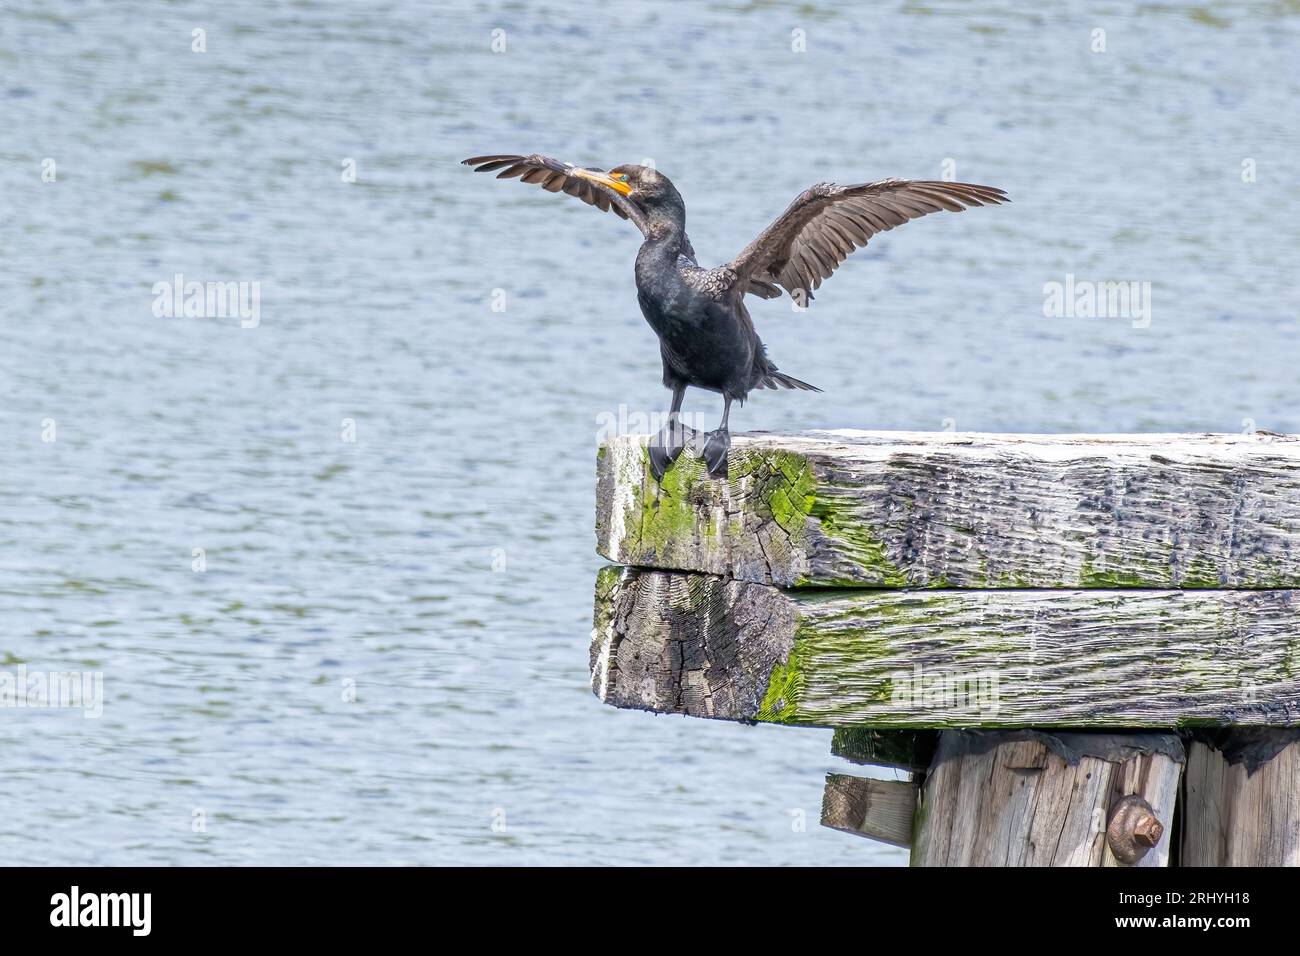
(827,222)
(556,176)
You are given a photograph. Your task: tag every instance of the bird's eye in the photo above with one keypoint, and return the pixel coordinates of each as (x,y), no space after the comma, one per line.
(623,178)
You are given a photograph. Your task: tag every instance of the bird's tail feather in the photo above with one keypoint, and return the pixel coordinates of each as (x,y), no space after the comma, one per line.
(775,379)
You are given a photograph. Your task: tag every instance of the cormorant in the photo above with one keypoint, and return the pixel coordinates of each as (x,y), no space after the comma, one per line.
(706,337)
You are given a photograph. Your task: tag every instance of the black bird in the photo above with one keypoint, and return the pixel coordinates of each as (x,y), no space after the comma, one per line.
(706,337)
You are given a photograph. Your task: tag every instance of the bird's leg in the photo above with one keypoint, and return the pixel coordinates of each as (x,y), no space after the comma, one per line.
(716,444)
(682,434)
(668,444)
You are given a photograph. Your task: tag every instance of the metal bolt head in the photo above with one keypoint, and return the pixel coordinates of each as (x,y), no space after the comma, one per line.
(1133,830)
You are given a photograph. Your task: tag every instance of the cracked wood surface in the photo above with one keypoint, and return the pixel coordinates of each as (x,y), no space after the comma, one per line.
(965,510)
(1014,799)
(706,646)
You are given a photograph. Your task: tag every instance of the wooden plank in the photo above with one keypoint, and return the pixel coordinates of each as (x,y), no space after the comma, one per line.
(965,510)
(879,809)
(1242,804)
(705,646)
(1033,799)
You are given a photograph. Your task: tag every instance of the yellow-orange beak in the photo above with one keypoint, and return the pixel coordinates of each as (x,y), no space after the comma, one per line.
(605,180)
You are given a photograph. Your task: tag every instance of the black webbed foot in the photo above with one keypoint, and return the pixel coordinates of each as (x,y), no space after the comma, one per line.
(666,446)
(661,459)
(716,444)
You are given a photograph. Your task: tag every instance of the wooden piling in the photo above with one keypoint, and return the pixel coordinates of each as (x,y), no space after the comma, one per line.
(1038,799)
(1242,799)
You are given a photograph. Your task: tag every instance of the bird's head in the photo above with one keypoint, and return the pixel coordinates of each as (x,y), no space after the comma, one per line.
(644,185)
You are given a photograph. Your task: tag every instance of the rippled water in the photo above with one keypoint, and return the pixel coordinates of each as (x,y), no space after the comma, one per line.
(441,565)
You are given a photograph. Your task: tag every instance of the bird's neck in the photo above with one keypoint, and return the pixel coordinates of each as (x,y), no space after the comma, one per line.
(666,215)
(666,231)
(665,235)
(666,224)
(658,254)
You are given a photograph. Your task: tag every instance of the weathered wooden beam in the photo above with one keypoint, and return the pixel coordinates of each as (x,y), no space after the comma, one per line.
(965,510)
(879,809)
(910,750)
(1034,799)
(1242,800)
(710,647)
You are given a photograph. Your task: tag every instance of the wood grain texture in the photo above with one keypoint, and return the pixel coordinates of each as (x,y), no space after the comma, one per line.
(712,647)
(879,809)
(1235,817)
(1019,799)
(965,510)
(910,750)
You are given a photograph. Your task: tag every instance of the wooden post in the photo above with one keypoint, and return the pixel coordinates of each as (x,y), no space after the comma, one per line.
(1242,800)
(1039,799)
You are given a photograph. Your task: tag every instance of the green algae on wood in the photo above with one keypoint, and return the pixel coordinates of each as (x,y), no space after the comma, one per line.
(709,646)
(952,510)
(904,749)
(784,686)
